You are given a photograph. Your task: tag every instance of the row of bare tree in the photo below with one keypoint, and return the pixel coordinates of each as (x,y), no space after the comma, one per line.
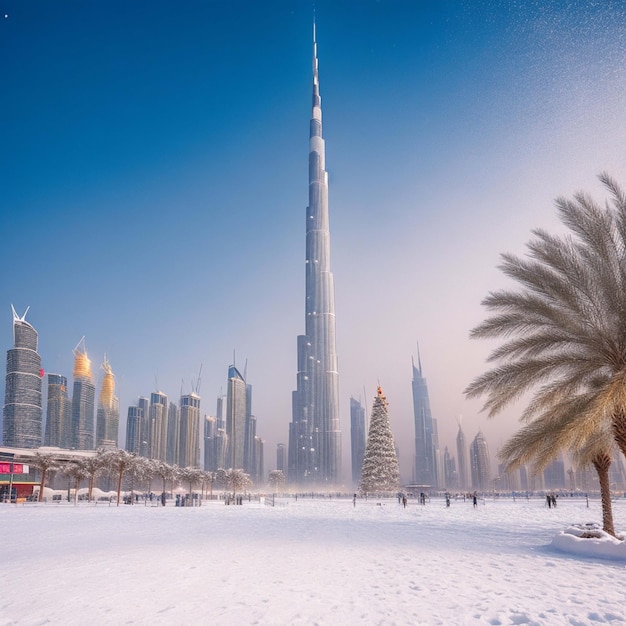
(136,470)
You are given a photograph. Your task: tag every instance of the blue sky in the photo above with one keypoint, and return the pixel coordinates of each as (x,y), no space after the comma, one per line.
(153,173)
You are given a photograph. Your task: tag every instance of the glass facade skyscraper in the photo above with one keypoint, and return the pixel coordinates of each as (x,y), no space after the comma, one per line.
(426,444)
(22,414)
(358,438)
(236,408)
(83,400)
(479,463)
(314,432)
(108,415)
(189,447)
(58,412)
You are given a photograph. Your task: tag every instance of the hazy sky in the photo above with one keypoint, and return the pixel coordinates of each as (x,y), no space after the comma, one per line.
(153,184)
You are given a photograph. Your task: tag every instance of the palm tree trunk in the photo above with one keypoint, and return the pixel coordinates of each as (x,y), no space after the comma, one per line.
(602,464)
(41,484)
(119,485)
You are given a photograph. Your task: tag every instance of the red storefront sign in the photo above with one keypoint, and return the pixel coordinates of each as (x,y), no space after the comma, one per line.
(18,468)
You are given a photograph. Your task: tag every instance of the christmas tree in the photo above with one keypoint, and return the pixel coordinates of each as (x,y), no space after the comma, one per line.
(380,463)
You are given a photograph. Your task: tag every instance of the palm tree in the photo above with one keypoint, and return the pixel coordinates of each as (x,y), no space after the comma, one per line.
(564,330)
(238,480)
(277,480)
(94,466)
(191,475)
(118,462)
(77,471)
(45,463)
(165,471)
(540,441)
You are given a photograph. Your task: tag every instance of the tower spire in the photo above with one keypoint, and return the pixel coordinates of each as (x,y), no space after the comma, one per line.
(315,436)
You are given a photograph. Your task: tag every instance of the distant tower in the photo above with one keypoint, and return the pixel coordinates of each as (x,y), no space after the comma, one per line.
(554,474)
(173,434)
(108,415)
(426,444)
(259,459)
(58,412)
(189,448)
(83,400)
(22,412)
(158,425)
(210,441)
(236,406)
(250,446)
(449,470)
(479,462)
(144,429)
(281,457)
(314,433)
(221,438)
(133,429)
(462,459)
(358,437)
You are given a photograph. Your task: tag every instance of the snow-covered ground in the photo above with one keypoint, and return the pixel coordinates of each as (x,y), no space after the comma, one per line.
(320,561)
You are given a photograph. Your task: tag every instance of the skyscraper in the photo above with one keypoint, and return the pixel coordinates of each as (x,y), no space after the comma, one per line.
(133,429)
(158,425)
(281,457)
(236,407)
(22,412)
(449,471)
(108,415)
(314,433)
(479,462)
(58,411)
(358,437)
(189,446)
(426,444)
(173,434)
(461,453)
(83,400)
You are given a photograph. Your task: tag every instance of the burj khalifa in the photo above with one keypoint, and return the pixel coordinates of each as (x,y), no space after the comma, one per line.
(314,434)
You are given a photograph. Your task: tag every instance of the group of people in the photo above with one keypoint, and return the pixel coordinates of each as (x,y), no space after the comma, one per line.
(551,500)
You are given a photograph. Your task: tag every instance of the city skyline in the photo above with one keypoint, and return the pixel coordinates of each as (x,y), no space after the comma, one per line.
(155,190)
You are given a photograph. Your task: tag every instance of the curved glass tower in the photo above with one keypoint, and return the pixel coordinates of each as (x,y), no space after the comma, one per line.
(314,435)
(108,415)
(22,413)
(83,400)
